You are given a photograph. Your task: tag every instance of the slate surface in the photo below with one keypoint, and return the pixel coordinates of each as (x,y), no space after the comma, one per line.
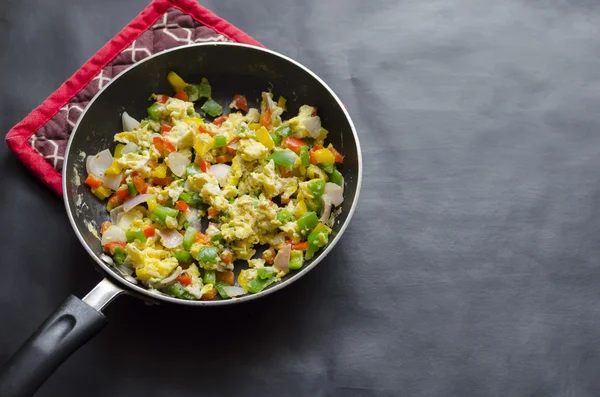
(471,266)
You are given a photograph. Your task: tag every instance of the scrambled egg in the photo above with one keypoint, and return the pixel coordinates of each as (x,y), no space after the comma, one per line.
(240,198)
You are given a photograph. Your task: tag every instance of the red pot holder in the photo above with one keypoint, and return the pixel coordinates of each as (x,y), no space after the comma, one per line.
(40,139)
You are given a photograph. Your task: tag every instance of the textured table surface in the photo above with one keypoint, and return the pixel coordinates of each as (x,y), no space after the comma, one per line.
(471,267)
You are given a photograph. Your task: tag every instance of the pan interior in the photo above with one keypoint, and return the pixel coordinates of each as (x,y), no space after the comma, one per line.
(230,69)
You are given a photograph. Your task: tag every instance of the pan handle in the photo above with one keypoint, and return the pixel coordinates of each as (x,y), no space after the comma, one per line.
(68,328)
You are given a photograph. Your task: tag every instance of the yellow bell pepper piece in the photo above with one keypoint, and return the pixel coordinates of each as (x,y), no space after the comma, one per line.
(102,192)
(321,228)
(324,156)
(203,143)
(243,280)
(116,168)
(196,120)
(281,103)
(152,204)
(160,171)
(263,137)
(300,209)
(254,126)
(176,82)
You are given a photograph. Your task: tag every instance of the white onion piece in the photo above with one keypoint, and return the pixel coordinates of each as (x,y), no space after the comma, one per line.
(112,181)
(129,148)
(270,102)
(124,220)
(221,172)
(191,215)
(313,125)
(282,259)
(114,214)
(129,123)
(335,193)
(136,200)
(233,291)
(326,214)
(98,163)
(171,238)
(177,163)
(114,234)
(169,280)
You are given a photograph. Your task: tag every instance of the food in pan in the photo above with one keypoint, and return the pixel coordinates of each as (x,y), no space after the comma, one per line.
(189,197)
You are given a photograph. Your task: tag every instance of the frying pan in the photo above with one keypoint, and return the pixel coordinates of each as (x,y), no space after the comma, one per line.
(230,68)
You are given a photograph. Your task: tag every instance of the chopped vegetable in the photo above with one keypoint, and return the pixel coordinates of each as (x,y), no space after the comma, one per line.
(176,82)
(284,216)
(160,214)
(207,254)
(183,257)
(184,278)
(239,102)
(182,95)
(316,240)
(155,111)
(220,141)
(181,205)
(133,235)
(212,108)
(189,238)
(294,144)
(195,92)
(226,277)
(285,158)
(178,291)
(210,277)
(220,120)
(296,259)
(307,222)
(304,157)
(93,182)
(324,156)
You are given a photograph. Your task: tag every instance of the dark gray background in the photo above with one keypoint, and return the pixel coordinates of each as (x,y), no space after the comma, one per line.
(471,265)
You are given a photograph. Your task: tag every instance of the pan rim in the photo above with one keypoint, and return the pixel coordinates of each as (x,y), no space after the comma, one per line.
(134,289)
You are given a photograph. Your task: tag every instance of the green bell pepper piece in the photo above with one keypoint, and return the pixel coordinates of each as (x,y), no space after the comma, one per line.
(192,199)
(217,237)
(220,141)
(307,222)
(296,260)
(197,91)
(315,241)
(160,214)
(207,254)
(284,216)
(285,158)
(189,237)
(155,111)
(119,255)
(266,272)
(178,291)
(284,131)
(219,286)
(133,235)
(131,187)
(276,138)
(183,256)
(192,169)
(336,177)
(304,157)
(258,284)
(327,167)
(317,187)
(210,277)
(212,108)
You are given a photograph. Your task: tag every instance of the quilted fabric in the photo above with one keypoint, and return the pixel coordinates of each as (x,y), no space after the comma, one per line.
(162,25)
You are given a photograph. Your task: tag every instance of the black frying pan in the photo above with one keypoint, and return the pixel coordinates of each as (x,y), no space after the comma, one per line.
(231,68)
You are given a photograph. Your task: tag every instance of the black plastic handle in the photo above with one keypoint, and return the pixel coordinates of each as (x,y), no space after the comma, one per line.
(71,326)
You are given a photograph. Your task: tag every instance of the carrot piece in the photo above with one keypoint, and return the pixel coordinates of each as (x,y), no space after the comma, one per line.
(265,118)
(139,183)
(148,231)
(212,212)
(338,157)
(226,277)
(165,129)
(185,279)
(163,99)
(182,95)
(240,102)
(232,146)
(111,246)
(162,181)
(203,164)
(220,120)
(93,182)
(105,226)
(300,246)
(181,205)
